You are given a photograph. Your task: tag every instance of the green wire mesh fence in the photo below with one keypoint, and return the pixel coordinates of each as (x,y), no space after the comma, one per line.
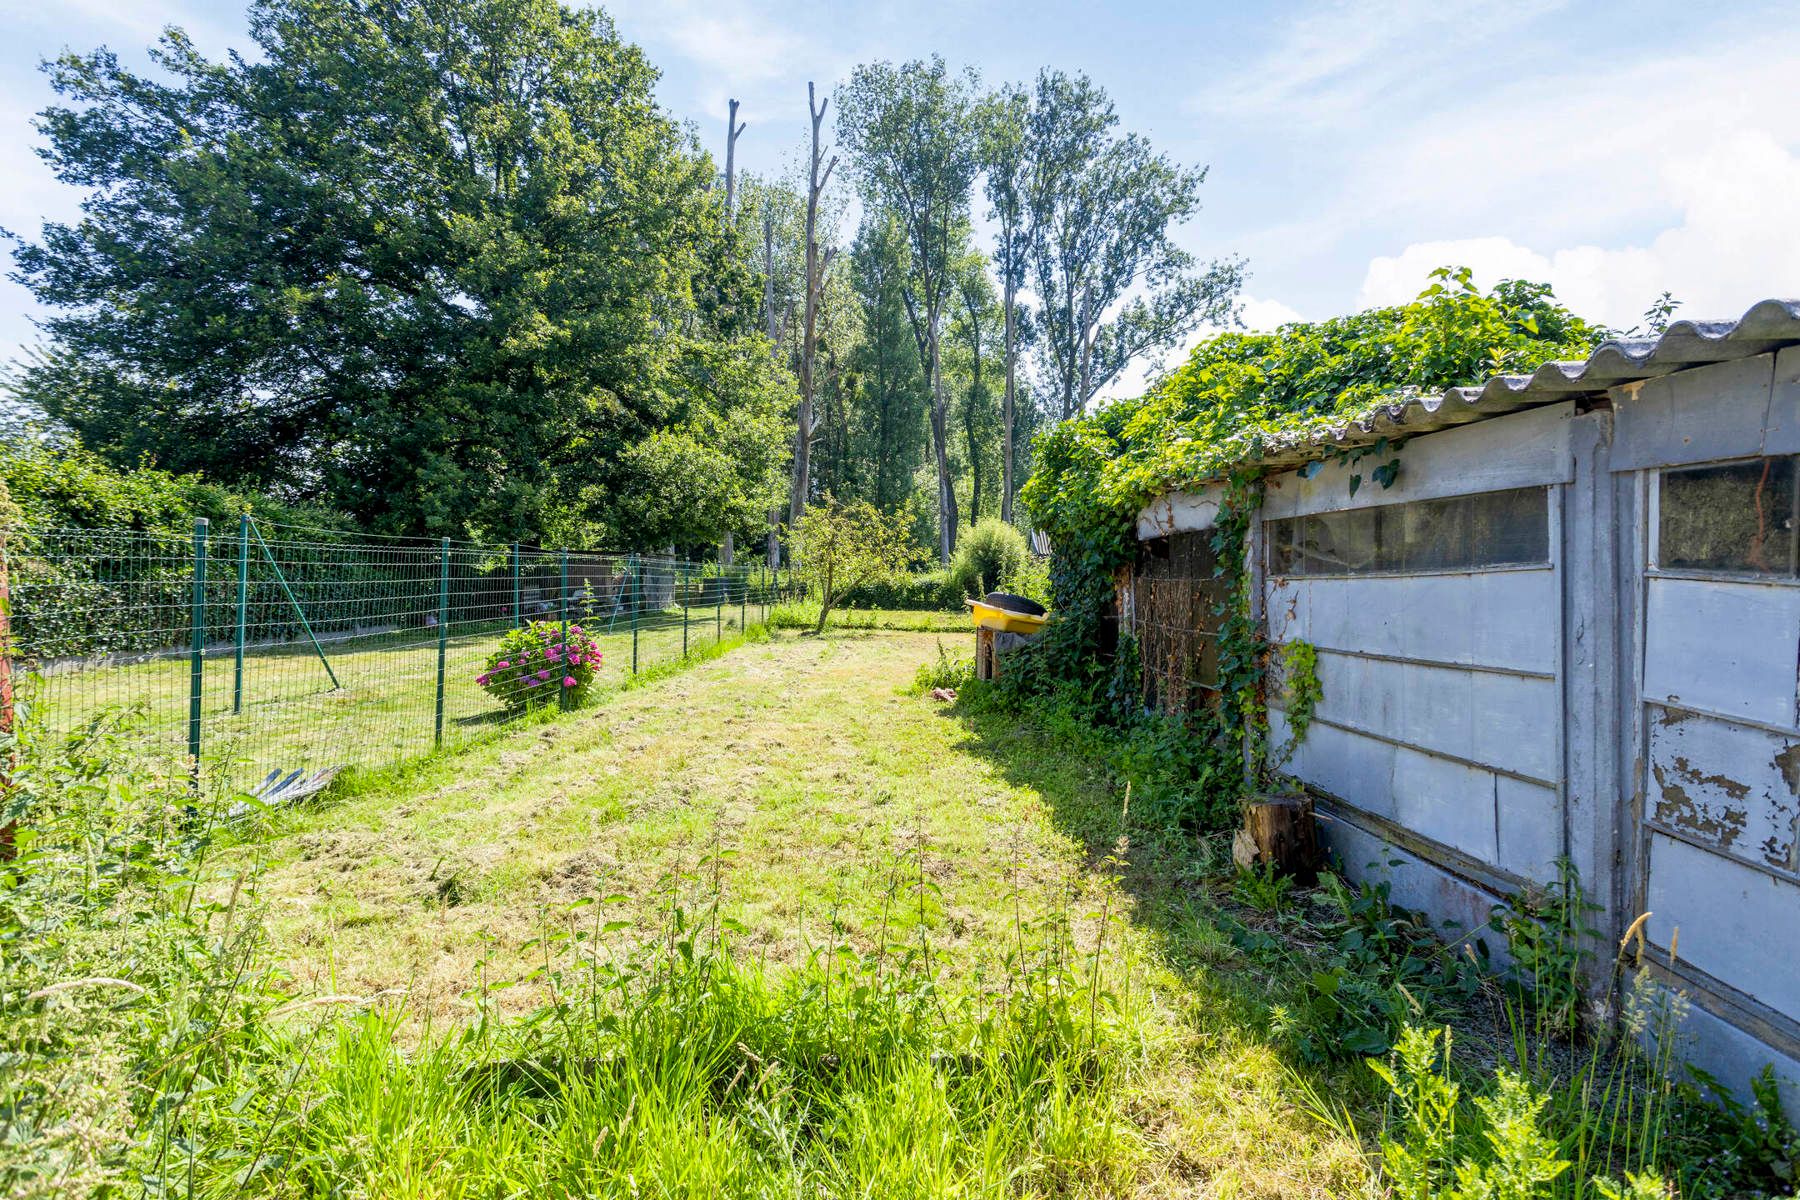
(267,655)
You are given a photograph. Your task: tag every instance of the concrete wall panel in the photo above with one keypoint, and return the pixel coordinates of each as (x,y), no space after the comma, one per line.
(1521,449)
(1737,924)
(1711,412)
(1734,787)
(1487,618)
(1726,648)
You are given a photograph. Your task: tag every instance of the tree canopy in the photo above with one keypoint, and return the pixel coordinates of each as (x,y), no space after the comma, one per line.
(447,268)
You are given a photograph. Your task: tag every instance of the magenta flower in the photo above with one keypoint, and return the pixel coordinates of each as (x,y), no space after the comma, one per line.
(503,665)
(568,681)
(544,674)
(482,679)
(574,629)
(574,660)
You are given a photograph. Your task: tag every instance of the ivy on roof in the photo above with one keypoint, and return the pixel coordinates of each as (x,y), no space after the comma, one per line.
(1238,391)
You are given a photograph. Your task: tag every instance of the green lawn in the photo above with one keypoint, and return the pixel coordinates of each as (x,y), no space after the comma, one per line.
(383,711)
(796,782)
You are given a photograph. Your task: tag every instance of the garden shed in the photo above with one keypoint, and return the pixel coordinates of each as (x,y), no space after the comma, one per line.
(1570,628)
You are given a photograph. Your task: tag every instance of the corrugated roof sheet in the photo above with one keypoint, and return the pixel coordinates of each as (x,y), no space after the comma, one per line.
(1768,325)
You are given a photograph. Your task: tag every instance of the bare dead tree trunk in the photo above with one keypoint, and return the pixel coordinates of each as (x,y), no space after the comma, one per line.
(1006,414)
(940,421)
(772,326)
(969,418)
(817,263)
(1087,351)
(733,128)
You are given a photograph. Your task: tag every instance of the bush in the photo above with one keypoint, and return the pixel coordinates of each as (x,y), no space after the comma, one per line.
(66,487)
(1031,580)
(990,552)
(532,666)
(921,590)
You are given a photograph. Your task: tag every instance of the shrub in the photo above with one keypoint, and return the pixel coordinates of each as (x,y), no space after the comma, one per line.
(1031,580)
(532,666)
(989,553)
(933,590)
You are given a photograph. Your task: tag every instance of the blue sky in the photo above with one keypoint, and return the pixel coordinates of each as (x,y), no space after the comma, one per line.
(1615,150)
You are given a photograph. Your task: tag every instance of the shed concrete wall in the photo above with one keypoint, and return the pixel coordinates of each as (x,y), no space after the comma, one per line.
(1477,725)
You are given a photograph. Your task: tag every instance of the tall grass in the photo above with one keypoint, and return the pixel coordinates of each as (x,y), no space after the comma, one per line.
(156,1051)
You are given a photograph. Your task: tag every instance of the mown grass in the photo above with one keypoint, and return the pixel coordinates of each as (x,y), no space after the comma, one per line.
(771,926)
(382,712)
(808,771)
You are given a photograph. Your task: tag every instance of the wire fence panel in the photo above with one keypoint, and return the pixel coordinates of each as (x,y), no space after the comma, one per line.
(253,652)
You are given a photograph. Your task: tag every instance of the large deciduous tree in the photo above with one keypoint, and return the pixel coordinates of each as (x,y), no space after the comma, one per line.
(444,266)
(910,131)
(1112,286)
(1006,170)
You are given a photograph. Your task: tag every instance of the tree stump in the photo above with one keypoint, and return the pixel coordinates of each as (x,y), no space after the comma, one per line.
(1281,830)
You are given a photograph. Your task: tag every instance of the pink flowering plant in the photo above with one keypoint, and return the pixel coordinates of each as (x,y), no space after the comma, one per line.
(535,665)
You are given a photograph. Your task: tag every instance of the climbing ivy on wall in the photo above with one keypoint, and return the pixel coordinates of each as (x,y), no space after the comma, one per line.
(1211,421)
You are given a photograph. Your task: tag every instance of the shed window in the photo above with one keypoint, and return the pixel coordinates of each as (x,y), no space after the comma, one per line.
(1737,517)
(1458,533)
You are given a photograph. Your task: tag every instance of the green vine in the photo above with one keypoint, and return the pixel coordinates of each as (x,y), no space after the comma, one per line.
(1300,672)
(1215,420)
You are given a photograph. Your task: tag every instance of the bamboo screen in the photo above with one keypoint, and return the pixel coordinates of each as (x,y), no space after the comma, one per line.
(1177,606)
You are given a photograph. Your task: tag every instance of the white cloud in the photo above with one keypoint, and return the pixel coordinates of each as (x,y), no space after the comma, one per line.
(733,45)
(1734,243)
(1257,315)
(1266,316)
(1330,64)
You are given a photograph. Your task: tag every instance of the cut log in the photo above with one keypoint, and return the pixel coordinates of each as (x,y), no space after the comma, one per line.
(1281,828)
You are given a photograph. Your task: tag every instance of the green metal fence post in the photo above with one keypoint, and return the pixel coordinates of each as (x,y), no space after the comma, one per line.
(243,603)
(518,609)
(684,613)
(637,602)
(443,619)
(562,603)
(197,651)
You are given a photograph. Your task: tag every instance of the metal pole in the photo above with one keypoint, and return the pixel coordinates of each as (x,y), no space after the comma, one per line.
(743,600)
(243,602)
(563,606)
(197,649)
(684,613)
(719,612)
(518,610)
(637,602)
(443,634)
(295,602)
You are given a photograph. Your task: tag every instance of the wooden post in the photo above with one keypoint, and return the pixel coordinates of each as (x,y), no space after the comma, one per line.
(1279,831)
(8,728)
